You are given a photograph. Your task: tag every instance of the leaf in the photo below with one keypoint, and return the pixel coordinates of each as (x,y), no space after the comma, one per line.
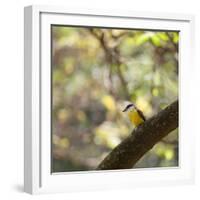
(163,36)
(156,40)
(169,154)
(175,37)
(64,143)
(155,92)
(109,102)
(141,39)
(63,115)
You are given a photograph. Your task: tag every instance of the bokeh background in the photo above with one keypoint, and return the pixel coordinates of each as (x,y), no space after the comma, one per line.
(95,73)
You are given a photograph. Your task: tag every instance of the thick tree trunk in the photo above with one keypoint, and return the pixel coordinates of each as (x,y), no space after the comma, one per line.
(142,139)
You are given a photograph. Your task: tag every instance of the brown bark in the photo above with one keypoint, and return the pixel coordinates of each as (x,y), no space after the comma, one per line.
(142,139)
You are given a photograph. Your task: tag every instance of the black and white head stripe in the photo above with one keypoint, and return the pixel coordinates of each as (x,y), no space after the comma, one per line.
(127,107)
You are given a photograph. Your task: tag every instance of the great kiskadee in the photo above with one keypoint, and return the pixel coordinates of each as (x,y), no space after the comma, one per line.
(135,115)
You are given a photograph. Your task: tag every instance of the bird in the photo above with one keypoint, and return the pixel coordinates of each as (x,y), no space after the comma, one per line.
(135,115)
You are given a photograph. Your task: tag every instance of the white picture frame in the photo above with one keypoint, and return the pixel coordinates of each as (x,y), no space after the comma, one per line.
(37,135)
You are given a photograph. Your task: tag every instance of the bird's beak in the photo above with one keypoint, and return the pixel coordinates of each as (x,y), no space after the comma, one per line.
(124,110)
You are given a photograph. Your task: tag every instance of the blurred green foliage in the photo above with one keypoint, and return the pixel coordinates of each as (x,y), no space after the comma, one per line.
(96,72)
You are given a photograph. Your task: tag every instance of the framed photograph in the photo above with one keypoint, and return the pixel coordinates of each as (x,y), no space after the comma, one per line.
(106,99)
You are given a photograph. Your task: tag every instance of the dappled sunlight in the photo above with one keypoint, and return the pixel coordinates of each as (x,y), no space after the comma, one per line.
(96,73)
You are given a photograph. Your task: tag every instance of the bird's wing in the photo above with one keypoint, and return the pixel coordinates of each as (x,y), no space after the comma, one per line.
(141,114)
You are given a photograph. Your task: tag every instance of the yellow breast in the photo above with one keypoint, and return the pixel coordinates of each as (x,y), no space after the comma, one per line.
(135,118)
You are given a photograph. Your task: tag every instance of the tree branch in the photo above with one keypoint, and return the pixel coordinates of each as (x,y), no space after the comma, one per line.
(112,57)
(142,139)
